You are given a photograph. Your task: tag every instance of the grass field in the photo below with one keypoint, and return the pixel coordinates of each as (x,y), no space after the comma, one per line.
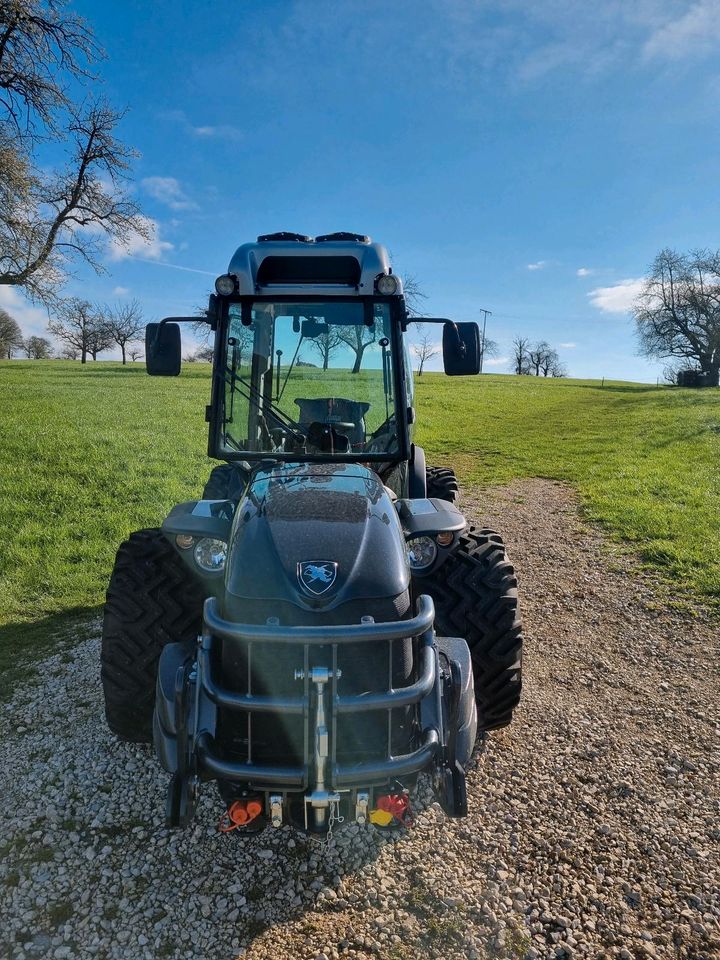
(88,454)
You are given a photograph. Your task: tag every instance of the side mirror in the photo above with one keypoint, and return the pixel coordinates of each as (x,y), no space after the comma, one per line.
(461,349)
(162,349)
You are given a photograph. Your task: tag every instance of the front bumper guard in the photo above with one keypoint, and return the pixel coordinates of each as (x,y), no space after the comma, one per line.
(197,695)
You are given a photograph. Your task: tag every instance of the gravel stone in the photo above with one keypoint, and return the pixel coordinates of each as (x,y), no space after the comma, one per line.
(593,828)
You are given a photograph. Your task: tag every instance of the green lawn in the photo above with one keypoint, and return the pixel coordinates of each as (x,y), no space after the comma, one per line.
(645,460)
(88,454)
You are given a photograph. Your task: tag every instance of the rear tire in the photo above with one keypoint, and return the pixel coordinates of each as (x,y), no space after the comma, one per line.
(476,597)
(442,483)
(152,599)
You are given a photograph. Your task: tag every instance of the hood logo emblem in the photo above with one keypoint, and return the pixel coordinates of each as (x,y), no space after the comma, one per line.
(317,576)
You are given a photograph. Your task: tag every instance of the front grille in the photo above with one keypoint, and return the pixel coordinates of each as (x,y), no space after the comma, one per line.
(268,668)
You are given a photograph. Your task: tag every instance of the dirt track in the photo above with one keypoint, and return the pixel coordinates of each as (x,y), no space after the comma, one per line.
(594,827)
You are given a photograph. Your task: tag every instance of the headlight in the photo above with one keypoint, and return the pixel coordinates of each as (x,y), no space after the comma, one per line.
(386,284)
(210,554)
(225,285)
(421,552)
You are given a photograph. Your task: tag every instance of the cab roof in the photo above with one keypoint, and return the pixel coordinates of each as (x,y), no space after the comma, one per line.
(341,264)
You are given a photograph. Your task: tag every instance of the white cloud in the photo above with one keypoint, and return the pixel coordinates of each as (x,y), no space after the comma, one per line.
(33,321)
(167,190)
(585,272)
(121,291)
(618,298)
(568,346)
(149,248)
(222,131)
(694,33)
(206,131)
(496,361)
(540,265)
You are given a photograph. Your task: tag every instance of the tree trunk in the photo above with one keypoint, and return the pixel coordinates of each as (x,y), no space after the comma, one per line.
(83,356)
(122,349)
(358,358)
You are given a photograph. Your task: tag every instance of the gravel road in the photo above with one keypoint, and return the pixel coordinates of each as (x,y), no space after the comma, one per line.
(594,827)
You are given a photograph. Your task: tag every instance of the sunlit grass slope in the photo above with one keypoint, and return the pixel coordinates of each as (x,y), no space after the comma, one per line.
(88,454)
(645,460)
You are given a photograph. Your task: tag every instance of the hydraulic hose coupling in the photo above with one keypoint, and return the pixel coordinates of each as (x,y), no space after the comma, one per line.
(239,814)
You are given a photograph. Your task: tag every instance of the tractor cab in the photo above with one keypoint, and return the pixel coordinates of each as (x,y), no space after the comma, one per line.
(311,361)
(308,379)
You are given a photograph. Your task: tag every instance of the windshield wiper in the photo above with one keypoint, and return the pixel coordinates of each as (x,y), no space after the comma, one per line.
(267,407)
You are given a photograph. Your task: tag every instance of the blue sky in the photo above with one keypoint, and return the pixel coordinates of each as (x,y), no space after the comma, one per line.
(527,157)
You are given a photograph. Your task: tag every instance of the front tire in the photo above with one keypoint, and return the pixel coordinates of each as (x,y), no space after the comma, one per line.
(152,599)
(442,484)
(476,597)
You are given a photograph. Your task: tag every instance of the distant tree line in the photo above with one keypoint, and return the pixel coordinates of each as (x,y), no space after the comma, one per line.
(83,330)
(538,359)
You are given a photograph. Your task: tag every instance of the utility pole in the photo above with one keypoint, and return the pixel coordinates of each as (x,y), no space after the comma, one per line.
(482,346)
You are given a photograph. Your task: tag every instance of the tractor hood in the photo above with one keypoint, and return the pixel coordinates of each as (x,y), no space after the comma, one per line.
(315,536)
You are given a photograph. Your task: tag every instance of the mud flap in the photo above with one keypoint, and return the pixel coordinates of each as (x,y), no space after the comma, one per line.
(445,713)
(184,786)
(452,794)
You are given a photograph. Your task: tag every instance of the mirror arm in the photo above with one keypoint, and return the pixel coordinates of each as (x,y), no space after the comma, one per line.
(460,342)
(184,320)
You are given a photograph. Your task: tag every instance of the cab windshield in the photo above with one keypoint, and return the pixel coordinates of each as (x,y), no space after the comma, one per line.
(309,379)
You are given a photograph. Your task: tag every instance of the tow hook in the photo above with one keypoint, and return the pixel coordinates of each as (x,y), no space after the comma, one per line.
(321,801)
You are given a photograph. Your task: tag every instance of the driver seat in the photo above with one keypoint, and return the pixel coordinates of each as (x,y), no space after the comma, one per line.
(336,411)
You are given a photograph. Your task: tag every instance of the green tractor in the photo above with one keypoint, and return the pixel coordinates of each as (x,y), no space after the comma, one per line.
(323,625)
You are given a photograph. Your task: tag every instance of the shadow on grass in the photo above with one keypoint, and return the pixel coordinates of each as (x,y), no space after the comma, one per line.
(629,388)
(23,645)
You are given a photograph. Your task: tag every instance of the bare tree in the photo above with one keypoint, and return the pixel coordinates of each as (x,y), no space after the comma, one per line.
(123,324)
(80,326)
(135,353)
(358,338)
(204,354)
(557,368)
(424,350)
(326,344)
(100,338)
(11,337)
(241,339)
(38,42)
(521,355)
(550,361)
(538,354)
(38,348)
(489,349)
(50,221)
(69,353)
(414,296)
(677,315)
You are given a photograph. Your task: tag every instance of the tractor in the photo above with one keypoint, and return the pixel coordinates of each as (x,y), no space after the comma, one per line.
(324,625)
